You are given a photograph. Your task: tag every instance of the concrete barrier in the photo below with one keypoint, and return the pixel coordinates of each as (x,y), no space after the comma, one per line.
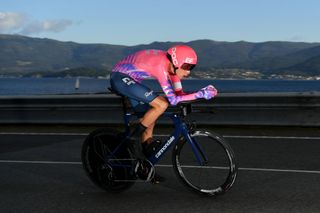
(270,109)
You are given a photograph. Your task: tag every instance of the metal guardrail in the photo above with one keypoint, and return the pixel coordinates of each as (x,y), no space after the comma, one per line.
(274,109)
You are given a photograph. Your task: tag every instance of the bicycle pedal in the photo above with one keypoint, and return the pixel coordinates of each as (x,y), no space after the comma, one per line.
(144,172)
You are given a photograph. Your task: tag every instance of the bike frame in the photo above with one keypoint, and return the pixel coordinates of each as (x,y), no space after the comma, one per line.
(181,130)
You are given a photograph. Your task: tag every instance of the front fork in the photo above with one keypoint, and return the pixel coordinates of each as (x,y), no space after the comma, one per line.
(196,146)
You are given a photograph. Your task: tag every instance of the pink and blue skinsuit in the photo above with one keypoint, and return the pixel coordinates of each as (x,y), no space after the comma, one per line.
(127,75)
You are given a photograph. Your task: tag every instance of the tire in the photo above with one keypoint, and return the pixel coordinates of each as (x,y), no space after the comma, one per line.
(96,148)
(219,172)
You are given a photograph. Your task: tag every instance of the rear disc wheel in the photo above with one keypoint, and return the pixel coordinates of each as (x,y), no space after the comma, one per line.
(104,167)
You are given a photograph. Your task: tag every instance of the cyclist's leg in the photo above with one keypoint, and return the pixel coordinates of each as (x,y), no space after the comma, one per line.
(159,105)
(144,130)
(137,93)
(148,133)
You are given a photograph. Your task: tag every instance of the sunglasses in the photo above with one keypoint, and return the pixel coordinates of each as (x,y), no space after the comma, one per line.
(186,66)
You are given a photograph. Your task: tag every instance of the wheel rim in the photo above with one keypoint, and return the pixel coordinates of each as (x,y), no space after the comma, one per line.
(219,173)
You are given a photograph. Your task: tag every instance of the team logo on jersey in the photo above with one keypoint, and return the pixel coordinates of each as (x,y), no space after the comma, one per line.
(128,81)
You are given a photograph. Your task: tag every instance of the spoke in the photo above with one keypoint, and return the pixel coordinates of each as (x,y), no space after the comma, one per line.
(96,151)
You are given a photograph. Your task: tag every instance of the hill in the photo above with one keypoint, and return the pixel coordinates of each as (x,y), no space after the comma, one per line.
(25,55)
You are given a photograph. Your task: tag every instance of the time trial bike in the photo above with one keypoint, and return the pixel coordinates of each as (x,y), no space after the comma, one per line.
(202,160)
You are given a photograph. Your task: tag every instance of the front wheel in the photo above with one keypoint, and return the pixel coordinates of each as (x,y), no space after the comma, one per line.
(206,165)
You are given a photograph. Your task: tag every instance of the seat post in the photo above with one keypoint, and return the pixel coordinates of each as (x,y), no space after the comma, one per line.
(127,114)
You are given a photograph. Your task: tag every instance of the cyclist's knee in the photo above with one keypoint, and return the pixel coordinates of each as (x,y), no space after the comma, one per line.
(164,105)
(160,104)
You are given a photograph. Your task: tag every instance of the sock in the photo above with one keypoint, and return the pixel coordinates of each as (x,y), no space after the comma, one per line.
(137,132)
(135,142)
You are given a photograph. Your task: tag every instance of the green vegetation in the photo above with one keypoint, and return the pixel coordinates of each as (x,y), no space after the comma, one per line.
(25,56)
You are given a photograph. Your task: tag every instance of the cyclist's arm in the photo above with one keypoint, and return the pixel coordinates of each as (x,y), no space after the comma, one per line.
(177,86)
(170,93)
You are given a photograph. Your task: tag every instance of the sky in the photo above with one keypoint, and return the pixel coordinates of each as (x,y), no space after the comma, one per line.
(128,22)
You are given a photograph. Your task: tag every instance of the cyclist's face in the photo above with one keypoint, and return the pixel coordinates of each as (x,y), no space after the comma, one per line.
(181,73)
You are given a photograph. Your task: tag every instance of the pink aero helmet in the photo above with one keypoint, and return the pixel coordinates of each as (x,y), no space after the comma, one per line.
(183,56)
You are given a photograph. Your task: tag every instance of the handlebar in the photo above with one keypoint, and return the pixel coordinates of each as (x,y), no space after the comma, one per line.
(185,108)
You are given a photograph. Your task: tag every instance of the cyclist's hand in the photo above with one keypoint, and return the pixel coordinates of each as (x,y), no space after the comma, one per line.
(207,92)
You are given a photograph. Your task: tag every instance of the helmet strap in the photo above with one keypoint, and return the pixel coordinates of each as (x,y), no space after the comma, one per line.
(175,70)
(174,67)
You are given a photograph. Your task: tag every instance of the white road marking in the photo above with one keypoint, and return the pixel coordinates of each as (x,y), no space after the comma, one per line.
(167,166)
(162,135)
(40,162)
(44,133)
(254,169)
(281,170)
(272,137)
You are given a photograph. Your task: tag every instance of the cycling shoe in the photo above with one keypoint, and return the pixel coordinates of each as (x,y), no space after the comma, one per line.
(150,146)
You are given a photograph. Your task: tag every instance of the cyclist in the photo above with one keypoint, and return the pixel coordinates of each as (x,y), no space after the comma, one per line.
(168,67)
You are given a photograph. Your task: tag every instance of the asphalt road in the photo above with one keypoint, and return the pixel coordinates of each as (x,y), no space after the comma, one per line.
(279,172)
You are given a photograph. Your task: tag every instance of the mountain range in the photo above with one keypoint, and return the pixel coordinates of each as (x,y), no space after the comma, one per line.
(21,54)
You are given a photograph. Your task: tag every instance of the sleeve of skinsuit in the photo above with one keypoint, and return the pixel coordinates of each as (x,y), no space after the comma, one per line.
(177,86)
(174,99)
